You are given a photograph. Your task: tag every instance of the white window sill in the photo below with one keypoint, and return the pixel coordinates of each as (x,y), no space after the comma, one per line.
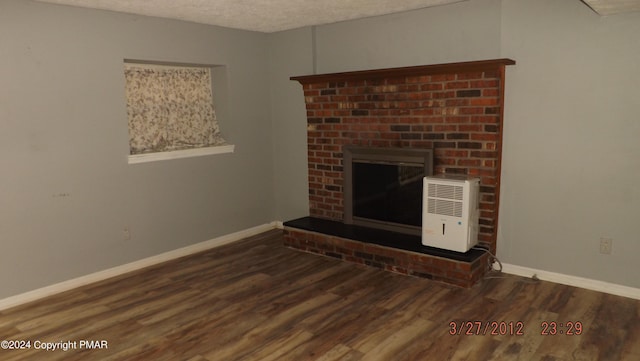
(177,154)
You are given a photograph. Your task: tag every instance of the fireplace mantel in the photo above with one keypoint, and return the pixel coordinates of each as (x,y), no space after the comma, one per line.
(421,70)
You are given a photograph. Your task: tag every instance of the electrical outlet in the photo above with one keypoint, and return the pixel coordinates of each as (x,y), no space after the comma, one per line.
(606,245)
(126,233)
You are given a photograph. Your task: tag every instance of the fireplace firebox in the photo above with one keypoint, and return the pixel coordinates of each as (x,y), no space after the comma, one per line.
(383,187)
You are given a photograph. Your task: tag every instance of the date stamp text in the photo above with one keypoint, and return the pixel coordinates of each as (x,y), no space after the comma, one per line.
(514,328)
(493,328)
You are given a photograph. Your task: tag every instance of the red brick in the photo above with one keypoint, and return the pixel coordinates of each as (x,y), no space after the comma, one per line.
(442,77)
(457,85)
(485,83)
(476,75)
(408,88)
(318,86)
(491,74)
(484,101)
(471,110)
(432,87)
(485,119)
(469,162)
(490,92)
(470,127)
(485,136)
(418,79)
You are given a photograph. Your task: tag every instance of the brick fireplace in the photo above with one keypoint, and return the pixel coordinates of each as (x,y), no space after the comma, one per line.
(455,109)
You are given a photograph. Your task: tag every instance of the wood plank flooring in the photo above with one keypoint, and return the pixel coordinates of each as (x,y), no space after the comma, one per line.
(257,300)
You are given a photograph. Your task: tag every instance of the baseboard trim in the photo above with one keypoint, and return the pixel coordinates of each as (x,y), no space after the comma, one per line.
(594,285)
(133,266)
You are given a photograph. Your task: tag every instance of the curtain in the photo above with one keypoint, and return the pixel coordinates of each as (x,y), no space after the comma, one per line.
(170,108)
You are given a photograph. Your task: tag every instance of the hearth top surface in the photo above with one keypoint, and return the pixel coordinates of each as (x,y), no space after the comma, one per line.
(380,237)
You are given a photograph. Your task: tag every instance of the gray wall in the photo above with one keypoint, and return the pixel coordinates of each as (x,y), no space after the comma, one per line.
(290,53)
(571,157)
(458,32)
(66,190)
(571,153)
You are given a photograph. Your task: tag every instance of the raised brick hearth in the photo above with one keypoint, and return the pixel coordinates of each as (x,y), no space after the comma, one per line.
(456,109)
(391,251)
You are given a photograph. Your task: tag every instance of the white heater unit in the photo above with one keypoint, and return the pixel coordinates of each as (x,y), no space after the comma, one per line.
(450,212)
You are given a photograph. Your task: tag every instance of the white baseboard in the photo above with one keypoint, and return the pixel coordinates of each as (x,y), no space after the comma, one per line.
(133,266)
(587,283)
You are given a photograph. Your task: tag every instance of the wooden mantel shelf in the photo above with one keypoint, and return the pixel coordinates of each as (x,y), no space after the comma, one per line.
(463,67)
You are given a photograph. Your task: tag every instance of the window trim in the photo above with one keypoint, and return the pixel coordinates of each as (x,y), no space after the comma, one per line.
(178,154)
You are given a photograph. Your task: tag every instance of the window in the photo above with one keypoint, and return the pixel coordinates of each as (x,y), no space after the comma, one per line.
(171,112)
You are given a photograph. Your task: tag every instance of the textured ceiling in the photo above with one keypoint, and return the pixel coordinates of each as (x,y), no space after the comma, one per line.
(259,15)
(275,15)
(611,7)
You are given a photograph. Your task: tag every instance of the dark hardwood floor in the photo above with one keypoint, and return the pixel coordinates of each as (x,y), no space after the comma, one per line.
(257,300)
